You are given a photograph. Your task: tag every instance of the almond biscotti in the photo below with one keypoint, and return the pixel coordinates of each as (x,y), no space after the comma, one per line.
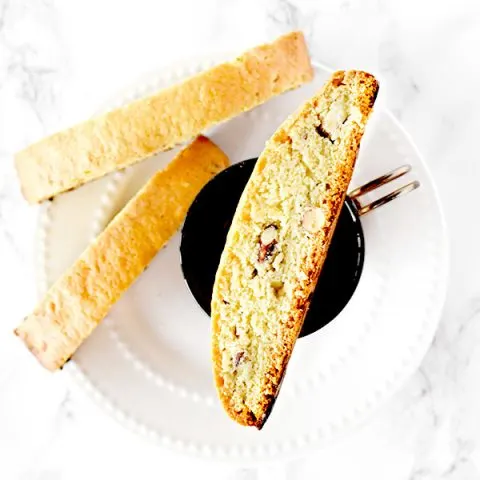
(127,135)
(278,241)
(82,297)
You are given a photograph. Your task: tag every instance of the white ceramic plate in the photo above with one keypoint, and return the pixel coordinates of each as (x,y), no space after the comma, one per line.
(148,363)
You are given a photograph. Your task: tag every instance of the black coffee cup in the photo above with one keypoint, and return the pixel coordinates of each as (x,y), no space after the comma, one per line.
(210,215)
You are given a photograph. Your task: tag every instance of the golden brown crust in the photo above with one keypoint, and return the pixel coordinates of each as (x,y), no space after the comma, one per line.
(318,115)
(127,135)
(82,297)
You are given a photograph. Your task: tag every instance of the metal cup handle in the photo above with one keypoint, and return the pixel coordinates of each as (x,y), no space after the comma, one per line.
(378,182)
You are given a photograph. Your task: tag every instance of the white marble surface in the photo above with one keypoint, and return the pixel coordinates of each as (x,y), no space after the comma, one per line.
(60,59)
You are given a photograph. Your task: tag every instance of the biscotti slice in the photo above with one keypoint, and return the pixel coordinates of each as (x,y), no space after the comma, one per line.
(82,297)
(127,135)
(278,241)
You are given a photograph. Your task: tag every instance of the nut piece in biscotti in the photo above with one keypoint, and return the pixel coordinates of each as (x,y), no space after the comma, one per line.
(82,297)
(278,241)
(127,135)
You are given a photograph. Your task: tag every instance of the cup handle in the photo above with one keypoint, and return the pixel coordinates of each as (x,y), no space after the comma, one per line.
(378,182)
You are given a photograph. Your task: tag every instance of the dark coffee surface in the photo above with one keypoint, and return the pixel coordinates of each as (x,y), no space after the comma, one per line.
(205,231)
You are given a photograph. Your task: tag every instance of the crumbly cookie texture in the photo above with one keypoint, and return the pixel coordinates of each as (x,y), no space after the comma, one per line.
(82,297)
(174,115)
(278,241)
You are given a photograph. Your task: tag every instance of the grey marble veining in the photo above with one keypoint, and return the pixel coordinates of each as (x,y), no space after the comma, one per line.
(59,59)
